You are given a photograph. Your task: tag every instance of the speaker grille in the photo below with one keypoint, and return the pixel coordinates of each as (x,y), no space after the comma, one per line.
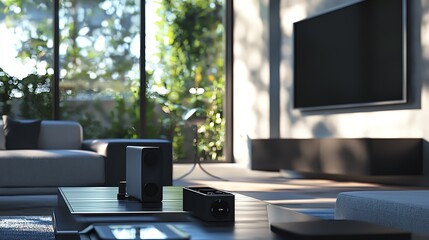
(151,189)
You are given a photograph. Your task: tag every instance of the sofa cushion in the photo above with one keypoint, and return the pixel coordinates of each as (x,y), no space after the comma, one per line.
(21,134)
(406,210)
(50,168)
(70,138)
(55,134)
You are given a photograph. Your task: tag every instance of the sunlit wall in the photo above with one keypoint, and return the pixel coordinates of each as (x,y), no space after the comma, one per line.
(251,75)
(408,121)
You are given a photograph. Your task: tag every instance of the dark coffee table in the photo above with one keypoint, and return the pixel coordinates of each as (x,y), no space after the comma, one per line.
(80,207)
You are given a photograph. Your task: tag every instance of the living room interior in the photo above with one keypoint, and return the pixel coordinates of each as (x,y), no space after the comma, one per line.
(260,107)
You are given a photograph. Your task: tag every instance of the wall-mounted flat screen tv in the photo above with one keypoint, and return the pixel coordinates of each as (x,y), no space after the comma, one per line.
(351,56)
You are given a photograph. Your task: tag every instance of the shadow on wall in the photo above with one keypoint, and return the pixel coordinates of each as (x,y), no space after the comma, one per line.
(415,62)
(422,69)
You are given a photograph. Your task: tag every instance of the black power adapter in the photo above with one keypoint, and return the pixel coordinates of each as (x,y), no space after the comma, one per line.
(209,204)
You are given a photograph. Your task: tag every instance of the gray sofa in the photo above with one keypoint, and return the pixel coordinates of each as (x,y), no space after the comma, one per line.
(59,161)
(64,159)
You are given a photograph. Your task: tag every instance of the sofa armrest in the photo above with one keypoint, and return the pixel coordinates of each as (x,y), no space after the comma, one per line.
(114,152)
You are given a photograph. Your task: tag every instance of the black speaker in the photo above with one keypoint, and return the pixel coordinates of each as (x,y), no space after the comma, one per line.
(144,173)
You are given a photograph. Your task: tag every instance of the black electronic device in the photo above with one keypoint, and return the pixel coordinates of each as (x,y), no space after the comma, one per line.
(122,190)
(144,174)
(209,204)
(351,56)
(140,231)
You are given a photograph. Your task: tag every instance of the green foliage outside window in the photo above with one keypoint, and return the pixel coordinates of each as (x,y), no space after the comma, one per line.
(191,56)
(36,98)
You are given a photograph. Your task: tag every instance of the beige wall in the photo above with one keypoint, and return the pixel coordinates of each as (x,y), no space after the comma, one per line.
(251,118)
(251,75)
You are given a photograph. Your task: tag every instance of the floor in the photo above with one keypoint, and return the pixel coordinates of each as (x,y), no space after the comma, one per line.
(311,196)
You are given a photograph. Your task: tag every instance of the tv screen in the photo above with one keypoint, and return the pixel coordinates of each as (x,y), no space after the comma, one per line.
(351,56)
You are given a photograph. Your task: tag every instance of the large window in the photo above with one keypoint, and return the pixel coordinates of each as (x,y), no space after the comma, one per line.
(185,46)
(98,77)
(99,66)
(26,48)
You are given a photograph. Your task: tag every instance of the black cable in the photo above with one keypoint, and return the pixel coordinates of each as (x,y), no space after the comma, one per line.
(189,172)
(196,162)
(211,175)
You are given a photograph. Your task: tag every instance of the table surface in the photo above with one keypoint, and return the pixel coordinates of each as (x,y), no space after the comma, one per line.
(79,207)
(103,201)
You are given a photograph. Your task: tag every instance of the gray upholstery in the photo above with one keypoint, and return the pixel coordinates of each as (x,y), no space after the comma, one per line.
(55,135)
(406,210)
(59,161)
(60,135)
(50,168)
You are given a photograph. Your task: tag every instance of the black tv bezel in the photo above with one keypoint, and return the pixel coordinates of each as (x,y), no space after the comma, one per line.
(362,104)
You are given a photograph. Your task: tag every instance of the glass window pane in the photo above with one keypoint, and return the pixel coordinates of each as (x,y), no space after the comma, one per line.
(26,60)
(99,66)
(185,56)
